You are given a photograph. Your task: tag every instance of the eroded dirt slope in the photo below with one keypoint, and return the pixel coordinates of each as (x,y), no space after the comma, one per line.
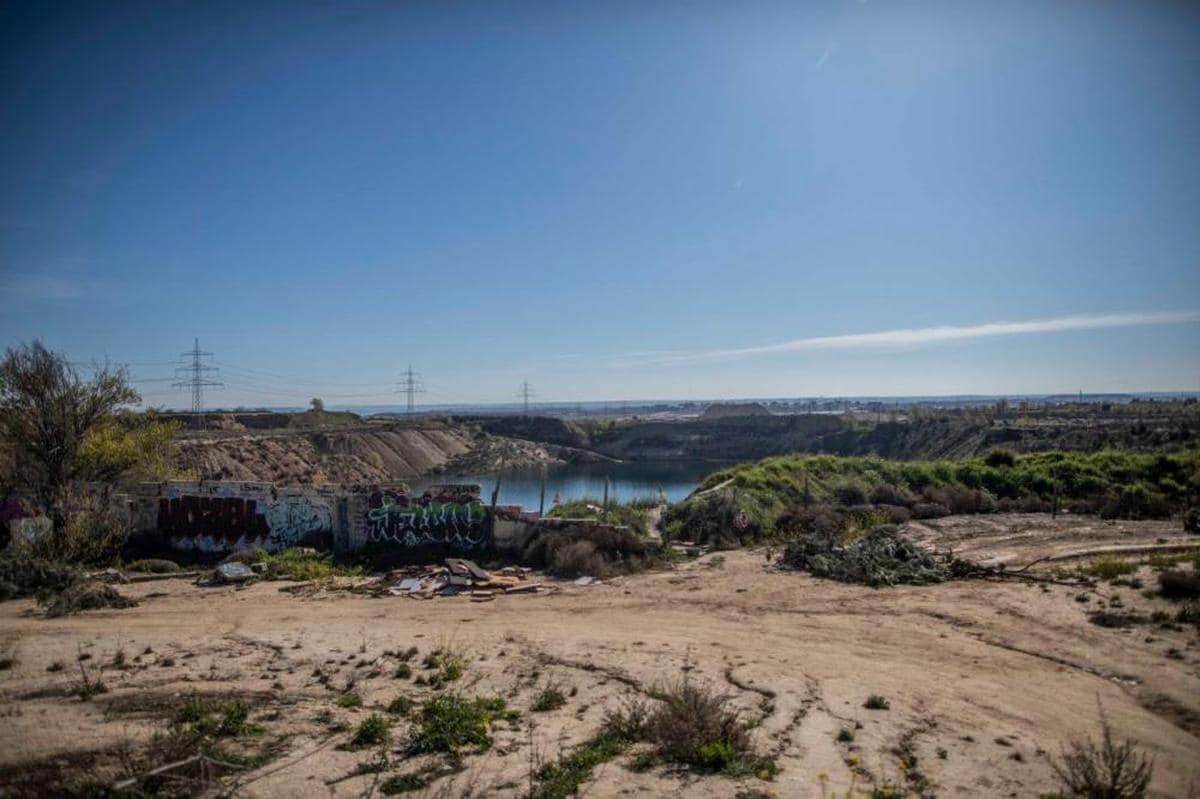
(350,456)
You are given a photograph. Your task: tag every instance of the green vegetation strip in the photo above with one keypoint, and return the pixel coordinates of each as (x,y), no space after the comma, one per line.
(562,778)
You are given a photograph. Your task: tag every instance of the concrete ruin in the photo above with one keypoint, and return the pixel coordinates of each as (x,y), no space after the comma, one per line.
(225,516)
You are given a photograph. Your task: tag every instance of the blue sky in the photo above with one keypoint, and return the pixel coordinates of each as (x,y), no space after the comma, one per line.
(611,200)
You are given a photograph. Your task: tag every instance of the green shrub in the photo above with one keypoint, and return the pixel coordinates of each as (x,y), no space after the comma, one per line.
(716,756)
(371,731)
(305,564)
(1109,568)
(451,722)
(24,575)
(563,777)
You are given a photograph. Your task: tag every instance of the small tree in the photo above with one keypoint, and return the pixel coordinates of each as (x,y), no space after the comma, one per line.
(46,412)
(318,405)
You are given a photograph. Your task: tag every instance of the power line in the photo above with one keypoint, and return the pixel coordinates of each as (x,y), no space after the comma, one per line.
(410,384)
(525,393)
(196,376)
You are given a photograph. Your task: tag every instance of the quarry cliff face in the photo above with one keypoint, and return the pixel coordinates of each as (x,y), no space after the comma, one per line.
(341,456)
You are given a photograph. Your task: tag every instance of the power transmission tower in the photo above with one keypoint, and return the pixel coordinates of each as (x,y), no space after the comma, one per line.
(195,375)
(411,385)
(525,393)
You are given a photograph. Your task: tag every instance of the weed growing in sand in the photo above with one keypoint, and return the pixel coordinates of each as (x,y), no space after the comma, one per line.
(550,698)
(348,700)
(403,671)
(562,778)
(692,726)
(1109,568)
(305,564)
(1107,770)
(451,722)
(1163,562)
(87,687)
(448,662)
(417,780)
(400,706)
(372,730)
(877,702)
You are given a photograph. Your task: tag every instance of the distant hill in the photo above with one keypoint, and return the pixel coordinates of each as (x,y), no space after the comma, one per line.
(726,410)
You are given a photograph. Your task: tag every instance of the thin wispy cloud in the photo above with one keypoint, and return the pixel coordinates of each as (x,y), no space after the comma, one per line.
(33,287)
(911,338)
(830,49)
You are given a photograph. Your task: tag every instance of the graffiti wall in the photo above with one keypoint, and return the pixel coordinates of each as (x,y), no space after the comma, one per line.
(446,516)
(228,516)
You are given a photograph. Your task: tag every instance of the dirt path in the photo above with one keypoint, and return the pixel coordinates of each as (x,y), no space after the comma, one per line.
(985,680)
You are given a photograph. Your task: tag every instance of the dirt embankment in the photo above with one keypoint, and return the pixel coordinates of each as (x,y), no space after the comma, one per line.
(725,435)
(984,681)
(343,456)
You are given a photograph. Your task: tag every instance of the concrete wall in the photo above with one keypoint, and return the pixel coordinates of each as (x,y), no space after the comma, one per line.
(223,516)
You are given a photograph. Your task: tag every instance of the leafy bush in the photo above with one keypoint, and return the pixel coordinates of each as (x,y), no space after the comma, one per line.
(451,722)
(594,551)
(22,574)
(372,730)
(1179,584)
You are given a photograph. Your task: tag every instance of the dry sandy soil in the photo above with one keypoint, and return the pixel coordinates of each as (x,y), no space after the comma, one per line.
(986,680)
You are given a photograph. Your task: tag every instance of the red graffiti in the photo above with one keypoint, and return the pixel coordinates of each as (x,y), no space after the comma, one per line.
(221,518)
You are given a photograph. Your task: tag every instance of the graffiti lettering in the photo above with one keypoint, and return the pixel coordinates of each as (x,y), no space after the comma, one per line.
(393,518)
(292,519)
(225,520)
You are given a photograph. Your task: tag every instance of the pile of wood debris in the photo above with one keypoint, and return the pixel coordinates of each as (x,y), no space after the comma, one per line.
(458,577)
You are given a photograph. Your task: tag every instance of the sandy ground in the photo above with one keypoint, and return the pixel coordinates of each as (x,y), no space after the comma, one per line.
(986,680)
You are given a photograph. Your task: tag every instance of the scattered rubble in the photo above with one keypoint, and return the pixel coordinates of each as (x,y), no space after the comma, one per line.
(458,576)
